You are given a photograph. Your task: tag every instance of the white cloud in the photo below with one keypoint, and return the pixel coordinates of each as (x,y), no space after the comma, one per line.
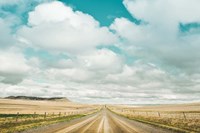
(68,30)
(160,39)
(164,16)
(13,63)
(101,60)
(70,74)
(90,67)
(169,11)
(137,75)
(130,31)
(161,71)
(52,13)
(13,67)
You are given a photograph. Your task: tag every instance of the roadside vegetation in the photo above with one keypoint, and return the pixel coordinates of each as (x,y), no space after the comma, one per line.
(21,113)
(10,123)
(185,122)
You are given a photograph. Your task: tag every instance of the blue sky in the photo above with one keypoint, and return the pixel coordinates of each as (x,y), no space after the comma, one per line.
(101,51)
(105,11)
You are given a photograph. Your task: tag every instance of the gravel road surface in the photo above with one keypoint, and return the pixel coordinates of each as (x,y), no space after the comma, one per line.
(101,122)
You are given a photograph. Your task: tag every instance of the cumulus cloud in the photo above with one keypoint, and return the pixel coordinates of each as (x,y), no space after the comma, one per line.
(101,60)
(169,11)
(71,54)
(90,67)
(13,67)
(164,16)
(139,74)
(160,39)
(131,32)
(68,30)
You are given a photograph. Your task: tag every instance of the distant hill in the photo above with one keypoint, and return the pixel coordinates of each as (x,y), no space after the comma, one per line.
(38,98)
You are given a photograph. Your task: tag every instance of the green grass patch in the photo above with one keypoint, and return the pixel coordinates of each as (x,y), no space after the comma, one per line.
(31,123)
(17,115)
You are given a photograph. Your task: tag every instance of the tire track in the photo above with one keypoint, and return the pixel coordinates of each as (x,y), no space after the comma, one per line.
(126,128)
(78,125)
(90,127)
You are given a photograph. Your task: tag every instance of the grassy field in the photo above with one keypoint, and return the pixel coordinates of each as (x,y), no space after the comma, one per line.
(12,106)
(19,115)
(183,117)
(28,122)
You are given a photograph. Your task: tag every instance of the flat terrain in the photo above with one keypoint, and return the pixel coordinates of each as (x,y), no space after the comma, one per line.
(167,107)
(12,106)
(101,122)
(184,117)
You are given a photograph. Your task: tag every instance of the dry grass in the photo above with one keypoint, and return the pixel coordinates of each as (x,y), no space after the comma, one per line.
(20,115)
(185,117)
(168,107)
(27,122)
(8,106)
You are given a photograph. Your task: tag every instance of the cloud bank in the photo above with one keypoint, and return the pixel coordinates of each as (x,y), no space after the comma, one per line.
(60,51)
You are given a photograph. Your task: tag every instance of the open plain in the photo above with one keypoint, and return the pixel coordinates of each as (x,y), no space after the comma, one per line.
(64,116)
(13,106)
(102,122)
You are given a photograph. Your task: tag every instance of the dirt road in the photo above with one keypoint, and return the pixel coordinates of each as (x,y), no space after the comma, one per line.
(102,122)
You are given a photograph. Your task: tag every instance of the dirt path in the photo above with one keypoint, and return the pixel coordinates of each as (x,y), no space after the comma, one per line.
(102,122)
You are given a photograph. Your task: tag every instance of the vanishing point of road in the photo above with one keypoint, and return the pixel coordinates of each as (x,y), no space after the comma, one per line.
(102,122)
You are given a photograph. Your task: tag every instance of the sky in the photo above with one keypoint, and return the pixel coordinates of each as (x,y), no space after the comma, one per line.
(101,51)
